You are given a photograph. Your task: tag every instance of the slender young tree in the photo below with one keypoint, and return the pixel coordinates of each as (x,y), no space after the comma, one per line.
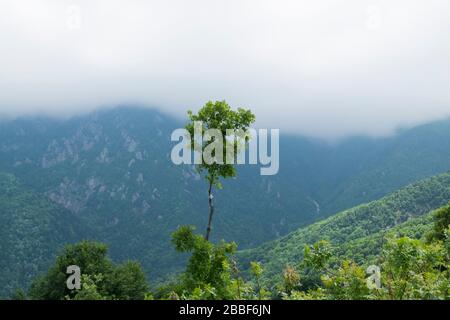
(222,119)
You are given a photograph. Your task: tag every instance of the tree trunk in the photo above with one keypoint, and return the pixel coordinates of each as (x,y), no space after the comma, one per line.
(211,211)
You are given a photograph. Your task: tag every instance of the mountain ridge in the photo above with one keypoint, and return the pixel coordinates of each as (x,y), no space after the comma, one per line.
(112,170)
(346,228)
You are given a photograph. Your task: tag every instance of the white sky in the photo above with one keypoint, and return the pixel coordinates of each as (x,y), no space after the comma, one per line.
(326,68)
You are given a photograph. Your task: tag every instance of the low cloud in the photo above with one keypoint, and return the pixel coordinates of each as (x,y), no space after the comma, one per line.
(323,68)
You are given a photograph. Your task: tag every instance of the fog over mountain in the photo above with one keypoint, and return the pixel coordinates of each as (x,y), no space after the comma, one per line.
(323,68)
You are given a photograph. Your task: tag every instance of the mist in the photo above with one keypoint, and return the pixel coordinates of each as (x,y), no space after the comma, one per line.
(322,68)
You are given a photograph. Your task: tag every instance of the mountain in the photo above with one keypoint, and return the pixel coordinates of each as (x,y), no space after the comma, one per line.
(358,233)
(32,230)
(111,170)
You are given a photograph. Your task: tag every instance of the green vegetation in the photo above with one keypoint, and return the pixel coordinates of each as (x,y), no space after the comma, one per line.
(442,221)
(207,274)
(408,269)
(101,279)
(110,172)
(411,260)
(108,177)
(217,117)
(32,230)
(358,233)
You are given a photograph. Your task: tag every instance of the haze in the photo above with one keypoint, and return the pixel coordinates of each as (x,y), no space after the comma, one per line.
(322,68)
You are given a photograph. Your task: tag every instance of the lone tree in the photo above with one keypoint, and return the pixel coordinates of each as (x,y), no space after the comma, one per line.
(219,117)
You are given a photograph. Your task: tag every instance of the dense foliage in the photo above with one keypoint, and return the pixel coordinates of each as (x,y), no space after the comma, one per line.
(32,230)
(358,233)
(101,279)
(217,153)
(406,269)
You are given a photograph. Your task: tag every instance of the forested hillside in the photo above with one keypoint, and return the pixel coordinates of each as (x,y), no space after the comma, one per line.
(411,261)
(32,231)
(112,170)
(358,233)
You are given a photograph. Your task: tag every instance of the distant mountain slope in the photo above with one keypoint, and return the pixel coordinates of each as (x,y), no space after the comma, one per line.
(112,170)
(357,232)
(366,250)
(393,162)
(32,230)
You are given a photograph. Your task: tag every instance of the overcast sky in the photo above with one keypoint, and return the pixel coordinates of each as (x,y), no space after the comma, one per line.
(326,68)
